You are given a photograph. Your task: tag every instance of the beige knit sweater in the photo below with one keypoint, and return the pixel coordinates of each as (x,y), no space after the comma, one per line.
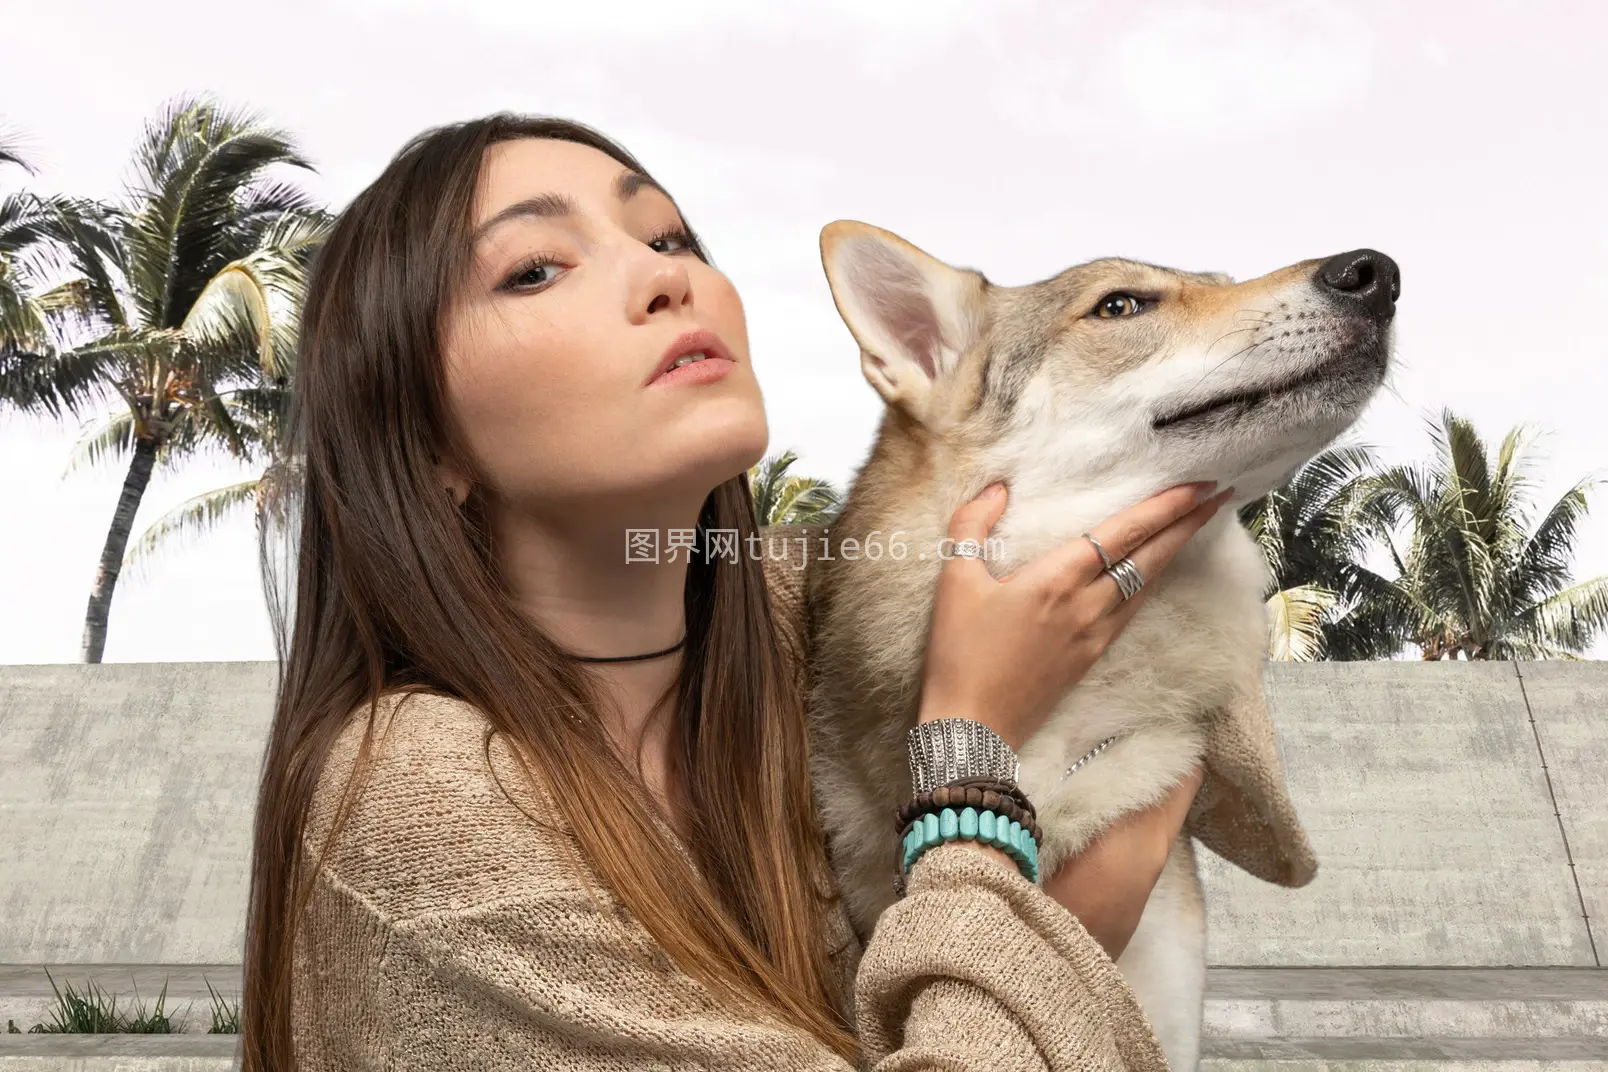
(449,932)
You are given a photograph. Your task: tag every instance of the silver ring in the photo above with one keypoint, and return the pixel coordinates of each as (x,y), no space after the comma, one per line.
(1105,559)
(967,549)
(1129,579)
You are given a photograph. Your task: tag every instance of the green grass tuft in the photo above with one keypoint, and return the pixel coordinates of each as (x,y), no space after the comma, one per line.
(157,1021)
(225,1014)
(94,1011)
(91,1012)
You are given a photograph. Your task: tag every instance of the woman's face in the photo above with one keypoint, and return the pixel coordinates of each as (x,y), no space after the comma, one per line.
(581,287)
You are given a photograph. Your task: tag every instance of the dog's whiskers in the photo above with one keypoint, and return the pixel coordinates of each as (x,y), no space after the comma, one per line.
(1226,334)
(1247,348)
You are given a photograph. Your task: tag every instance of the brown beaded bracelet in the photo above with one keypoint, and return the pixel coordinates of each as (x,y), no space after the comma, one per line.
(999,804)
(981,799)
(1005,804)
(973,793)
(1003,788)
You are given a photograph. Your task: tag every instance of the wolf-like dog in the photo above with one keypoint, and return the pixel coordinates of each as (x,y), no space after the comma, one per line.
(1084,393)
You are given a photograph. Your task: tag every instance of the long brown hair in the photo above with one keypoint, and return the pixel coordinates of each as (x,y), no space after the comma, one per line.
(396,589)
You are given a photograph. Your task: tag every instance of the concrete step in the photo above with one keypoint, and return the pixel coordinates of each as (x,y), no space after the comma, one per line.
(118,1053)
(1257,1020)
(1330,1018)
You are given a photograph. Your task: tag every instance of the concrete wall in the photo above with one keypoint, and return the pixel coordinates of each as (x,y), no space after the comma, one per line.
(1460,813)
(1423,788)
(126,796)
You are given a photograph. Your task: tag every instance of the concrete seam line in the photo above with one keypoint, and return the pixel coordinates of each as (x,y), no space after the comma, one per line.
(1557,814)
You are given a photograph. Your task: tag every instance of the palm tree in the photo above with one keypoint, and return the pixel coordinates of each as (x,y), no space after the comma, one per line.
(1482,583)
(187,292)
(1316,531)
(780,499)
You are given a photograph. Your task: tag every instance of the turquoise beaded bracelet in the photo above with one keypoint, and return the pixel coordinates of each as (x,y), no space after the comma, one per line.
(967,824)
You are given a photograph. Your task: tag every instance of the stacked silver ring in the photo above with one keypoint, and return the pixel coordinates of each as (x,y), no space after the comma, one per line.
(1129,579)
(1123,571)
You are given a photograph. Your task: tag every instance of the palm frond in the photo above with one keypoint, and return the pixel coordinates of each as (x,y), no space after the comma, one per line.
(196,163)
(1571,619)
(42,323)
(269,200)
(233,308)
(191,518)
(25,324)
(27,253)
(11,152)
(255,300)
(1264,519)
(1545,558)
(24,222)
(57,384)
(107,438)
(805,501)
(765,480)
(86,235)
(1295,623)
(781,499)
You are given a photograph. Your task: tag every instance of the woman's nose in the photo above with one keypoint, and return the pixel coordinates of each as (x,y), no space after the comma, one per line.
(660,286)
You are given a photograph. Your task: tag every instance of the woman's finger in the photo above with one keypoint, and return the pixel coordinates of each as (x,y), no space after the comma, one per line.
(973,522)
(1118,535)
(1152,556)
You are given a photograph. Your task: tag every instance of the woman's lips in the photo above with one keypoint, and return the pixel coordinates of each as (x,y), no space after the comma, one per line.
(699,342)
(710,369)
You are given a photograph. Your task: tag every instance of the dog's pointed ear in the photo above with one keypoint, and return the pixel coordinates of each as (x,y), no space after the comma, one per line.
(912,314)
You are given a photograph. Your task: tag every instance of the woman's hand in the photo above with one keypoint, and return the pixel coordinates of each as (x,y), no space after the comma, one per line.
(1005,651)
(1107,885)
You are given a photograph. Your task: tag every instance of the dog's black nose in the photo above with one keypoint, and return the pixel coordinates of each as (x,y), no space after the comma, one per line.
(1362,277)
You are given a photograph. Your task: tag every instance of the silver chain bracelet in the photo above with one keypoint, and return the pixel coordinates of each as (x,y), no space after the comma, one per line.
(1090,754)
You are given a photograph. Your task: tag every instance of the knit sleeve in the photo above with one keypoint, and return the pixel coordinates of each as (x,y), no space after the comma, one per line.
(978,968)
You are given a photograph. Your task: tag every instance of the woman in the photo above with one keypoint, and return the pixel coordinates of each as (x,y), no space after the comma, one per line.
(529,805)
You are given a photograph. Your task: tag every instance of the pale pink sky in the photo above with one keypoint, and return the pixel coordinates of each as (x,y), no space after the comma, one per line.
(1469,140)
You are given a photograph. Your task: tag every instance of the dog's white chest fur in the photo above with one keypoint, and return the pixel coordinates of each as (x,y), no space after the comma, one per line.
(1198,639)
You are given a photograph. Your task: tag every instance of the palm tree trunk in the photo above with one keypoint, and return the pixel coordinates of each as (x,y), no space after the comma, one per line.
(111,563)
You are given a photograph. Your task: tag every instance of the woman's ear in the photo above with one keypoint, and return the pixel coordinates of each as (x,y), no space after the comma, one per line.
(452,480)
(912,314)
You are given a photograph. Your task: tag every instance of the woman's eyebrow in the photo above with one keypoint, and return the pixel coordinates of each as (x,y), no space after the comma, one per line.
(629,182)
(547,206)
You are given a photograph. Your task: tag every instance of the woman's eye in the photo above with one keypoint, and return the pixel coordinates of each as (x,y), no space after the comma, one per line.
(532,275)
(1118,305)
(673,241)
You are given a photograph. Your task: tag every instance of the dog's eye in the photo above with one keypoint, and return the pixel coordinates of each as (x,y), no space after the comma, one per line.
(1118,305)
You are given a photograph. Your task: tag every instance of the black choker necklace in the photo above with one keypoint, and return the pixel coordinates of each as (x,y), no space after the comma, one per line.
(630,658)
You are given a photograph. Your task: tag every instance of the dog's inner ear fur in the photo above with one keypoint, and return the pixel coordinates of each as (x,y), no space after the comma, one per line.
(909,312)
(895,296)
